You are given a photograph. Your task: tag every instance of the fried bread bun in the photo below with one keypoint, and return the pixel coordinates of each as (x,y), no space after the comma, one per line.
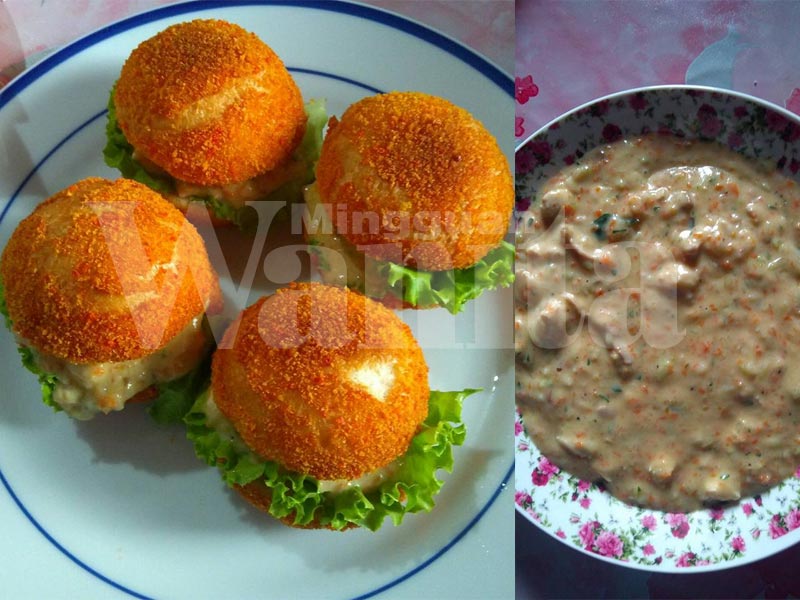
(321,380)
(105,286)
(209,103)
(66,292)
(319,412)
(420,181)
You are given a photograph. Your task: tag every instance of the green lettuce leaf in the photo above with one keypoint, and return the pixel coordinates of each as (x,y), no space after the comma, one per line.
(118,154)
(46,381)
(451,289)
(411,488)
(422,289)
(4,306)
(176,397)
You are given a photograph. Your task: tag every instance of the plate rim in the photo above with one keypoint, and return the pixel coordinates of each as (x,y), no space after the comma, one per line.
(349,7)
(425,33)
(660,87)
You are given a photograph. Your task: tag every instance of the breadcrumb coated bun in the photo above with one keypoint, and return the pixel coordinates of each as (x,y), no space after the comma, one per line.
(322,380)
(209,103)
(88,292)
(430,174)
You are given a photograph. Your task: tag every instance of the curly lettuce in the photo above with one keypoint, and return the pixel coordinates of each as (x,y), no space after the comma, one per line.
(410,488)
(118,154)
(419,289)
(451,289)
(47,381)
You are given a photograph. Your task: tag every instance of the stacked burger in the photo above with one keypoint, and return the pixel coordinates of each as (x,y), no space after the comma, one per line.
(411,203)
(207,112)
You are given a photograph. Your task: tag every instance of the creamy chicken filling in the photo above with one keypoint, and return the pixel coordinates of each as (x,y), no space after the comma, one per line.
(233,194)
(657,322)
(369,481)
(83,390)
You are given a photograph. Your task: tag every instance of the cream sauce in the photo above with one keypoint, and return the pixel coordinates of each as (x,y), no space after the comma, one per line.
(235,194)
(83,390)
(657,319)
(226,430)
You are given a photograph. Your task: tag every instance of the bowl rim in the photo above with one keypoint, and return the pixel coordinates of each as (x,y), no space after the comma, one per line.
(782,543)
(664,87)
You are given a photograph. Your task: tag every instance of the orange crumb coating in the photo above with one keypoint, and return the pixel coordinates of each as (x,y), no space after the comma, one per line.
(209,103)
(284,376)
(88,292)
(260,496)
(419,157)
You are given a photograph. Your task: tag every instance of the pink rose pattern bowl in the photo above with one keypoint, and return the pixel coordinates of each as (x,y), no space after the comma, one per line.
(583,514)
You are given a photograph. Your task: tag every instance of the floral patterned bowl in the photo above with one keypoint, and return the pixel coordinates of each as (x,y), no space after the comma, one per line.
(582,514)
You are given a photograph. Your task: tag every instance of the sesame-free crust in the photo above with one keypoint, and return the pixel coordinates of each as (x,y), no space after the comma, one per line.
(413,156)
(68,297)
(282,376)
(210,103)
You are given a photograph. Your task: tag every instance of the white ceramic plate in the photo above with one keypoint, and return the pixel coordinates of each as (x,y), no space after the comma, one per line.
(119,506)
(579,513)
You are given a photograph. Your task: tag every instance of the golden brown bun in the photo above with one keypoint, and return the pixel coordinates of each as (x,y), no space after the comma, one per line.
(287,376)
(209,103)
(64,293)
(260,496)
(412,154)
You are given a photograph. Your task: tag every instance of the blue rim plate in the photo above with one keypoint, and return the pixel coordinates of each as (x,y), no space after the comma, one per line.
(118,504)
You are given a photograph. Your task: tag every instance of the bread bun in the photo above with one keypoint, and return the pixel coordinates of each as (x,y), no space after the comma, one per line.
(65,294)
(209,103)
(322,380)
(422,182)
